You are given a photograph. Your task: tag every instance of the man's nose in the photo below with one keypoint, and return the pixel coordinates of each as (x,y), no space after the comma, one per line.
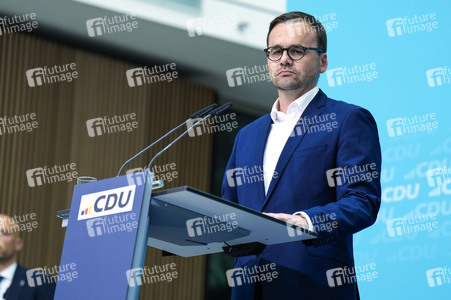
(285,59)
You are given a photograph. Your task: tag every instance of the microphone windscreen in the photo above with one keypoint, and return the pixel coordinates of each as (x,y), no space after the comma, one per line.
(221,109)
(203,111)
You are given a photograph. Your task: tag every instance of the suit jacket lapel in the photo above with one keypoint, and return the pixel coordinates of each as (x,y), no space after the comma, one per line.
(18,283)
(294,140)
(260,144)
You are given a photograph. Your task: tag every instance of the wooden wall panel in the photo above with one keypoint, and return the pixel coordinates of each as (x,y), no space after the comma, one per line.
(62,110)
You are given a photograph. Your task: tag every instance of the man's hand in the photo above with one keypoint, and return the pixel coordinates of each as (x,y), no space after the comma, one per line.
(297,220)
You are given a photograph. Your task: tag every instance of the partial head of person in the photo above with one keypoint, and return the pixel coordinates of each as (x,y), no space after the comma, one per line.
(10,241)
(296,52)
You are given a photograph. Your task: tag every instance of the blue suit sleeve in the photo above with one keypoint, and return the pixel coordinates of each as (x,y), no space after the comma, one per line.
(357,201)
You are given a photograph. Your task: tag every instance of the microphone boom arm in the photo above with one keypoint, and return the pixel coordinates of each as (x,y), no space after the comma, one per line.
(148,147)
(174,141)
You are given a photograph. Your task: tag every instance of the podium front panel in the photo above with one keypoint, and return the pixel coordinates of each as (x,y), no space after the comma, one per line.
(100,239)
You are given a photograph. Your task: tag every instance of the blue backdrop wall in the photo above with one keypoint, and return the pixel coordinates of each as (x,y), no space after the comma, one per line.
(393,58)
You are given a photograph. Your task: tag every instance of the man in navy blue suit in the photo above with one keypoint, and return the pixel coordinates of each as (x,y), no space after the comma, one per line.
(320,160)
(13,278)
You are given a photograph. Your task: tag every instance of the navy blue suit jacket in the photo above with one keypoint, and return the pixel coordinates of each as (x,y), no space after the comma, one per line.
(309,177)
(21,290)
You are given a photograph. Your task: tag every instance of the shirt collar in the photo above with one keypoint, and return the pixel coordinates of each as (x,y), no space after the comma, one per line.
(295,107)
(8,273)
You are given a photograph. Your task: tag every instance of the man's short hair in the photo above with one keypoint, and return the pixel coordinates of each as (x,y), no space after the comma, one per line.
(297,16)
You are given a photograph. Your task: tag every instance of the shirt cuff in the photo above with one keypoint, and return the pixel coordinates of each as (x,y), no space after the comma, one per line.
(309,221)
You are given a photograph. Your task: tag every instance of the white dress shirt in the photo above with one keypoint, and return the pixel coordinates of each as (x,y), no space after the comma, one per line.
(281,129)
(8,275)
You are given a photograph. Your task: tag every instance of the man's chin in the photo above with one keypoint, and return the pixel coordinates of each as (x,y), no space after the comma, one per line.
(287,84)
(288,87)
(4,260)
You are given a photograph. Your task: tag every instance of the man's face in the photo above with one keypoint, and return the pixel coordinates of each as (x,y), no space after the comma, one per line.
(10,243)
(295,75)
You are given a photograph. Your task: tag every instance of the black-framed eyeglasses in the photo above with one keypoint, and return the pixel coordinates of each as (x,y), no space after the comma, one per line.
(295,52)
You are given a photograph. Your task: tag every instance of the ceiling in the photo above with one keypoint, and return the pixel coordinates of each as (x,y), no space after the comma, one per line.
(162,37)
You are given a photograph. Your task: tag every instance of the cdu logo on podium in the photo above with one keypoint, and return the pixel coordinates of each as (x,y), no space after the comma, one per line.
(107,202)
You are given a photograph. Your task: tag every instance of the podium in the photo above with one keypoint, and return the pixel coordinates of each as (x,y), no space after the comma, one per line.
(111,222)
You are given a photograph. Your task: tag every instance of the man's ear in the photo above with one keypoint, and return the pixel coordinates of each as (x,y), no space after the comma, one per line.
(323,63)
(18,244)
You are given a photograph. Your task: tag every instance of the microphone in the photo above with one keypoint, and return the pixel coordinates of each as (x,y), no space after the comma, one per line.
(203,111)
(220,110)
(197,114)
(214,112)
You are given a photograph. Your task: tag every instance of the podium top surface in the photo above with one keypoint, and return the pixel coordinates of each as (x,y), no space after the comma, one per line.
(189,222)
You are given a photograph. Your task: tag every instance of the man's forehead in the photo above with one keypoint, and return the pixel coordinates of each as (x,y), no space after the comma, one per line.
(291,33)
